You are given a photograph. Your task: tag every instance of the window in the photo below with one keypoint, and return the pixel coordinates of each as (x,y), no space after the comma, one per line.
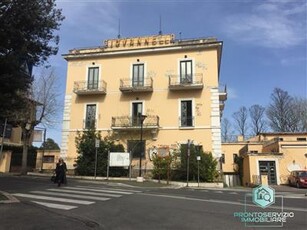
(138,75)
(222,159)
(186,119)
(93,78)
(235,156)
(301,139)
(137,108)
(90,117)
(186,71)
(48,159)
(136,147)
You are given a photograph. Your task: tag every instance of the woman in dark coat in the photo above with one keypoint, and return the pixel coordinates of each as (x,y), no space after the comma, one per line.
(60,172)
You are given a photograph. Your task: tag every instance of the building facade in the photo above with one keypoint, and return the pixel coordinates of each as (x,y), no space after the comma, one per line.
(273,155)
(150,94)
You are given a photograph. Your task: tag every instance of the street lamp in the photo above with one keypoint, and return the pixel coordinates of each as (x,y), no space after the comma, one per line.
(142,118)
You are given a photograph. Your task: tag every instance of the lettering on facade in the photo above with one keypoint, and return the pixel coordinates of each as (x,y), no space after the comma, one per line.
(139,42)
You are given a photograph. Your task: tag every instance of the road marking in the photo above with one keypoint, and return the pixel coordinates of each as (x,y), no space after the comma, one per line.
(71,190)
(54,199)
(56,206)
(112,189)
(71,195)
(99,190)
(220,201)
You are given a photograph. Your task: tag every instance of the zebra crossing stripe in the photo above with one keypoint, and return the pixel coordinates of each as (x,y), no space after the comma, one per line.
(82,192)
(54,199)
(100,190)
(112,189)
(56,206)
(70,195)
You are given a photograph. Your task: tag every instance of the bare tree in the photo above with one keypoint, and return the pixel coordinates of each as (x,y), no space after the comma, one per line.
(280,112)
(240,117)
(257,116)
(300,112)
(41,106)
(226,130)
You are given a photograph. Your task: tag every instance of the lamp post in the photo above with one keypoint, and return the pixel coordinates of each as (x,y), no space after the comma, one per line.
(142,117)
(188,160)
(44,143)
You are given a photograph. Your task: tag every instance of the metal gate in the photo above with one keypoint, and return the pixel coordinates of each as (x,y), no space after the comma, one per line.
(269,168)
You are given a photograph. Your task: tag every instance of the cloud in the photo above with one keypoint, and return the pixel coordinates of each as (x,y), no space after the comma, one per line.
(270,24)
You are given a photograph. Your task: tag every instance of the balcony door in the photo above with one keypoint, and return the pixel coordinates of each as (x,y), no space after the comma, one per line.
(90,116)
(93,78)
(186,113)
(137,108)
(186,72)
(138,75)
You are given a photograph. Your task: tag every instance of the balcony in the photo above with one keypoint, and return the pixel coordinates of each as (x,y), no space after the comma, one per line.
(222,93)
(86,88)
(194,81)
(132,123)
(130,86)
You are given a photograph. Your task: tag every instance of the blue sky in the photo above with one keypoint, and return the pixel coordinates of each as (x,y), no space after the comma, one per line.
(264,40)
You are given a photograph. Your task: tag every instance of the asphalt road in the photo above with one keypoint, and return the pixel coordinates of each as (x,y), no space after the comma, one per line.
(99,205)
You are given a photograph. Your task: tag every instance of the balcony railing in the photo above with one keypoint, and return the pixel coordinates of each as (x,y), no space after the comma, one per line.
(87,88)
(130,86)
(131,122)
(223,93)
(193,81)
(186,122)
(89,123)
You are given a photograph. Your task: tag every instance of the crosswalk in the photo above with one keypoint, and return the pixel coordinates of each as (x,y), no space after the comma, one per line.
(69,197)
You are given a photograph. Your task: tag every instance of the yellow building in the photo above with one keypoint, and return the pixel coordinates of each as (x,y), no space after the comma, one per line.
(267,156)
(172,84)
(12,137)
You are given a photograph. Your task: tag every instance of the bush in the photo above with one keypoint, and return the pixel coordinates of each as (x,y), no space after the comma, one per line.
(85,163)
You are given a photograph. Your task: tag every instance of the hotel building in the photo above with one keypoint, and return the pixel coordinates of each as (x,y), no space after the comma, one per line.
(158,89)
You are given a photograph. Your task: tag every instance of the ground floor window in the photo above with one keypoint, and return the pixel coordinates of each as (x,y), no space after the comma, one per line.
(137,148)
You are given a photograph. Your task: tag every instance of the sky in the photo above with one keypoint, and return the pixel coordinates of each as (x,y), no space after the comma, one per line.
(264,41)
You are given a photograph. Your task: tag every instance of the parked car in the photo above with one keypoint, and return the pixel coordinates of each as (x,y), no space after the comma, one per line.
(298,178)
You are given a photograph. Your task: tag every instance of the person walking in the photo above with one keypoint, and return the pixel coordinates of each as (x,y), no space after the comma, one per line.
(60,172)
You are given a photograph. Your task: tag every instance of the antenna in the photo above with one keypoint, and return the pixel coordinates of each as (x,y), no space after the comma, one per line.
(118,36)
(160,31)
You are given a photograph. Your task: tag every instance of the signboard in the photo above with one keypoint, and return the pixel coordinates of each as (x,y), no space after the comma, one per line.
(38,135)
(97,143)
(118,159)
(140,42)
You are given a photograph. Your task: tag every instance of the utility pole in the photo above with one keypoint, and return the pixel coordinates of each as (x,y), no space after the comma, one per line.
(188,161)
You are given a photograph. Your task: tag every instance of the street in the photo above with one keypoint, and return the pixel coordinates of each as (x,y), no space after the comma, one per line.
(101,205)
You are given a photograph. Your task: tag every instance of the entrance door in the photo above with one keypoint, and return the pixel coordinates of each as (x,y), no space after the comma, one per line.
(269,168)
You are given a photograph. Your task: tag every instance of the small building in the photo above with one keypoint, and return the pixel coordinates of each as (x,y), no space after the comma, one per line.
(267,155)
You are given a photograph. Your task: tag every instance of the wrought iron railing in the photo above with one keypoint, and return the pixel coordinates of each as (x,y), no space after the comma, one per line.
(186,121)
(85,87)
(141,85)
(151,121)
(191,80)
(89,123)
